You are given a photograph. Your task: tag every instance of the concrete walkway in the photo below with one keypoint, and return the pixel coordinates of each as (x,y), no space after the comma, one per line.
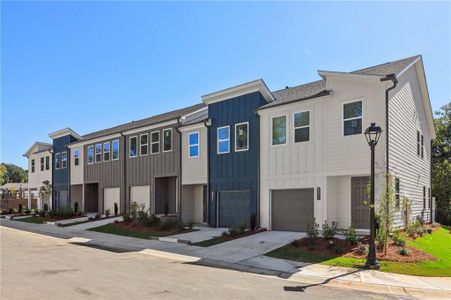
(93,224)
(246,254)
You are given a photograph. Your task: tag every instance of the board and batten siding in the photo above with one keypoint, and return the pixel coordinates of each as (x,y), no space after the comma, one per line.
(194,169)
(328,153)
(407,116)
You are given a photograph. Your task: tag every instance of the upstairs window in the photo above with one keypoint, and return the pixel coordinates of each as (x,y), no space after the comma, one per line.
(115,146)
(167,140)
(42,163)
(430,197)
(57,161)
(98,153)
(133,147)
(397,192)
(90,154)
(144,144)
(424,197)
(155,142)
(106,151)
(279,130)
(193,141)
(242,137)
(352,118)
(302,127)
(422,146)
(223,140)
(76,157)
(418,142)
(64,160)
(47,162)
(33,162)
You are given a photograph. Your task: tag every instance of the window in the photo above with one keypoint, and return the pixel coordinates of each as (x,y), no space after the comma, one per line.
(424,197)
(422,146)
(279,130)
(352,118)
(106,151)
(418,142)
(155,142)
(115,146)
(430,198)
(193,141)
(397,190)
(76,157)
(42,163)
(302,127)
(47,162)
(33,162)
(167,140)
(224,140)
(90,154)
(57,161)
(98,153)
(64,160)
(132,152)
(144,144)
(241,137)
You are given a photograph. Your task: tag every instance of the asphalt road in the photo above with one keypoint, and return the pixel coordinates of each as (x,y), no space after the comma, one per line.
(39,267)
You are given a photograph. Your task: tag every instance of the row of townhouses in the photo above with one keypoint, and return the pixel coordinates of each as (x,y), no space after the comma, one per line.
(275,159)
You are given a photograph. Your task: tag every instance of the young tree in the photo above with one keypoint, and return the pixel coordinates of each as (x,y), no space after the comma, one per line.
(45,192)
(386,211)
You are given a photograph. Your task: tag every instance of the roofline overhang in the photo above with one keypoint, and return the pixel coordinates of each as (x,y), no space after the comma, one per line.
(324,74)
(64,132)
(27,153)
(317,95)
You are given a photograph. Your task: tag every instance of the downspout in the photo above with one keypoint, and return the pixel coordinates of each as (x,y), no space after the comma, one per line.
(125,171)
(179,176)
(257,216)
(207,124)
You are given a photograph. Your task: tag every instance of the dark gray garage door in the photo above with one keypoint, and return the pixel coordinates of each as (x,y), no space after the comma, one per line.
(234,207)
(292,210)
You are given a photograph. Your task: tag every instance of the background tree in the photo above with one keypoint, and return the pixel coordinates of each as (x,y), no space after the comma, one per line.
(12,173)
(441,165)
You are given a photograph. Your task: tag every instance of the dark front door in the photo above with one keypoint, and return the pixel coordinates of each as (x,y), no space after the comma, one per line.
(91,197)
(204,204)
(359,203)
(234,207)
(165,195)
(292,210)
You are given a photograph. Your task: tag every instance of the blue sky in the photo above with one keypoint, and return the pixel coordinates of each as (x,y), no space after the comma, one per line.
(90,66)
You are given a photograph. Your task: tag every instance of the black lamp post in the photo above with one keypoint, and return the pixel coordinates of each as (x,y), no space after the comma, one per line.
(372,135)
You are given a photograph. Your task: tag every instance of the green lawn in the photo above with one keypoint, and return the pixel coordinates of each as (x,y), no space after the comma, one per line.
(438,244)
(32,219)
(112,228)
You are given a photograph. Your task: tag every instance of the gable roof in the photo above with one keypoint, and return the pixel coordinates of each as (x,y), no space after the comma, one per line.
(44,147)
(395,67)
(64,132)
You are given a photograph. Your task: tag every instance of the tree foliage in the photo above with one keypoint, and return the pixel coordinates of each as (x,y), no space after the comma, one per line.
(441,164)
(386,212)
(12,173)
(45,192)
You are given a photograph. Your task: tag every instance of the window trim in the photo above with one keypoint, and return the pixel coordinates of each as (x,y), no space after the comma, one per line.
(76,157)
(109,151)
(167,129)
(286,131)
(118,150)
(62,165)
(422,145)
(222,140)
(305,126)
(193,145)
(47,162)
(349,119)
(424,197)
(146,144)
(130,146)
(93,153)
(397,191)
(418,142)
(236,135)
(56,161)
(42,163)
(33,165)
(151,142)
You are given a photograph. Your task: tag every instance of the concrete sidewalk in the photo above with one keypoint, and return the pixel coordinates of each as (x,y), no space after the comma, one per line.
(246,254)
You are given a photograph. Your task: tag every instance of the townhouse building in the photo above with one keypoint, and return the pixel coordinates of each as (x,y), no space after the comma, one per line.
(275,159)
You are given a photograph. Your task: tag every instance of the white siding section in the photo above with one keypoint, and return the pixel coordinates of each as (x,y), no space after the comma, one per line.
(111,196)
(194,169)
(35,179)
(76,172)
(406,116)
(140,195)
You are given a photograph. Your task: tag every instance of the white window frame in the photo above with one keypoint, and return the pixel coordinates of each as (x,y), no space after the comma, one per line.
(167,129)
(194,145)
(286,130)
(56,161)
(223,140)
(141,145)
(62,160)
(236,135)
(42,163)
(33,165)
(109,151)
(350,119)
(130,146)
(112,150)
(305,126)
(93,153)
(76,157)
(47,159)
(152,142)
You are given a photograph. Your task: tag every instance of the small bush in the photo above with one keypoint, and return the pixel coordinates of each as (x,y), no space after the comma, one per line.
(403,251)
(338,250)
(415,228)
(399,239)
(127,218)
(107,212)
(225,233)
(362,249)
(27,211)
(237,229)
(329,232)
(313,230)
(351,236)
(295,243)
(171,224)
(380,237)
(435,225)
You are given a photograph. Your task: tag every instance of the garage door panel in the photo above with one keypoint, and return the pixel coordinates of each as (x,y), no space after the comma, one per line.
(140,195)
(234,207)
(292,210)
(111,196)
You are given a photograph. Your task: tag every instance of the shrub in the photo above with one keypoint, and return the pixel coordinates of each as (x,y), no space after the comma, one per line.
(329,232)
(362,249)
(403,251)
(27,211)
(295,243)
(351,236)
(399,239)
(107,212)
(415,228)
(127,218)
(237,229)
(429,230)
(170,224)
(435,225)
(338,250)
(380,237)
(148,219)
(313,230)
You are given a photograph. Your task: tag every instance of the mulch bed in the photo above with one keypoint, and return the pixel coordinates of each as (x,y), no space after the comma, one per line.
(326,248)
(150,230)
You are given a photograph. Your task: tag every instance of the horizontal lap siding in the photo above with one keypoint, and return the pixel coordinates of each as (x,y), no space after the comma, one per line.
(194,170)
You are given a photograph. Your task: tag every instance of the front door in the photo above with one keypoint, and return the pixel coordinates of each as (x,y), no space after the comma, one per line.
(360,203)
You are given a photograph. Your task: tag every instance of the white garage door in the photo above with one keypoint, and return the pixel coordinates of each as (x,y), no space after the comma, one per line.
(111,196)
(140,195)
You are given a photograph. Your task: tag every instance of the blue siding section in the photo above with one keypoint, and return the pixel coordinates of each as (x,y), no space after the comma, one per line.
(61,177)
(235,170)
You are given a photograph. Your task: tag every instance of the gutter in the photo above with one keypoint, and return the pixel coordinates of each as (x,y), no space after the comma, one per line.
(179,176)
(125,170)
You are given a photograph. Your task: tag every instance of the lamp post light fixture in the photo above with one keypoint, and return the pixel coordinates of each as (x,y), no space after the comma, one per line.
(372,135)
